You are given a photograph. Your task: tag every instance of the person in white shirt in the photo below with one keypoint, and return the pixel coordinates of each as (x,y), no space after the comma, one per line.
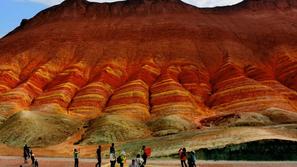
(112,159)
(139,161)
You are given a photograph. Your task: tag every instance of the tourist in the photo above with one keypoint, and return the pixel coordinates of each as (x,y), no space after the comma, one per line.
(191,159)
(183,156)
(139,161)
(26,153)
(122,158)
(36,163)
(112,149)
(32,157)
(98,152)
(134,164)
(144,155)
(75,156)
(112,159)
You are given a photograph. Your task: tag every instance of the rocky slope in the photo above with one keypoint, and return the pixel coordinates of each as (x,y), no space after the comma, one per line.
(149,68)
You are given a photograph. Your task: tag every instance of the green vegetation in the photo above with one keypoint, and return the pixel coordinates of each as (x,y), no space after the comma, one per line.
(255,150)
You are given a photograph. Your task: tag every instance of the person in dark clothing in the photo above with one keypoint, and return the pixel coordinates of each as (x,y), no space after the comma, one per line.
(183,156)
(112,149)
(36,163)
(26,153)
(122,158)
(75,156)
(98,152)
(32,158)
(143,155)
(191,159)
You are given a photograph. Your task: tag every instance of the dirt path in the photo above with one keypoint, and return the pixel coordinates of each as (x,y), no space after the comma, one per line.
(68,162)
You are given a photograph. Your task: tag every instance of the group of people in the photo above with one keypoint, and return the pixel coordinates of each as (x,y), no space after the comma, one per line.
(28,154)
(187,156)
(188,159)
(139,161)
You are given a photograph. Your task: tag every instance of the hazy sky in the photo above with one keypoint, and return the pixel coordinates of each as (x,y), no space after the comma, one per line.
(13,11)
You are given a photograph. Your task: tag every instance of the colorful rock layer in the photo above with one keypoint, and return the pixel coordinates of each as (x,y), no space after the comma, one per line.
(61,90)
(234,92)
(91,99)
(161,64)
(132,99)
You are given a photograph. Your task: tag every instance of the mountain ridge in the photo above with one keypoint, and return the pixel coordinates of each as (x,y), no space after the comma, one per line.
(162,66)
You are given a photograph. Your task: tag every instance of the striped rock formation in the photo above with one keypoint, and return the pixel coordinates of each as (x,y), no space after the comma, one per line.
(268,79)
(234,92)
(142,68)
(171,102)
(127,109)
(286,71)
(62,89)
(21,97)
(91,99)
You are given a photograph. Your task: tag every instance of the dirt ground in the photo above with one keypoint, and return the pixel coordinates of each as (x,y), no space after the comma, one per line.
(68,162)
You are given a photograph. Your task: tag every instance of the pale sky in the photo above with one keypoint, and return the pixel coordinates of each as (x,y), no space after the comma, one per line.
(13,11)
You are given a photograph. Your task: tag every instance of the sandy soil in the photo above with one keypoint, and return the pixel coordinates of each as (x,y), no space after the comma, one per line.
(68,162)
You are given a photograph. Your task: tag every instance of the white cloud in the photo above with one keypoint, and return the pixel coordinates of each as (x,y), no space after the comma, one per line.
(212,3)
(199,3)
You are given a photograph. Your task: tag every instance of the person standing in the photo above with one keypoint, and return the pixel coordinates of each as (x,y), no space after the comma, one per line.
(75,156)
(134,163)
(143,155)
(36,163)
(26,153)
(122,158)
(139,161)
(98,152)
(112,149)
(112,155)
(32,158)
(183,156)
(112,159)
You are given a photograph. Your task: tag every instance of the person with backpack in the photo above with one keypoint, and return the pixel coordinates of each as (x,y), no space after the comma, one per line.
(183,156)
(98,152)
(122,158)
(112,159)
(139,161)
(75,156)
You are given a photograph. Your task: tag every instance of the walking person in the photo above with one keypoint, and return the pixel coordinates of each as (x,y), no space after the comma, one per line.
(75,156)
(183,156)
(98,152)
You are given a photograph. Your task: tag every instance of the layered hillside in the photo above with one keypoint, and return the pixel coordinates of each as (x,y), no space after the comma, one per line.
(141,68)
